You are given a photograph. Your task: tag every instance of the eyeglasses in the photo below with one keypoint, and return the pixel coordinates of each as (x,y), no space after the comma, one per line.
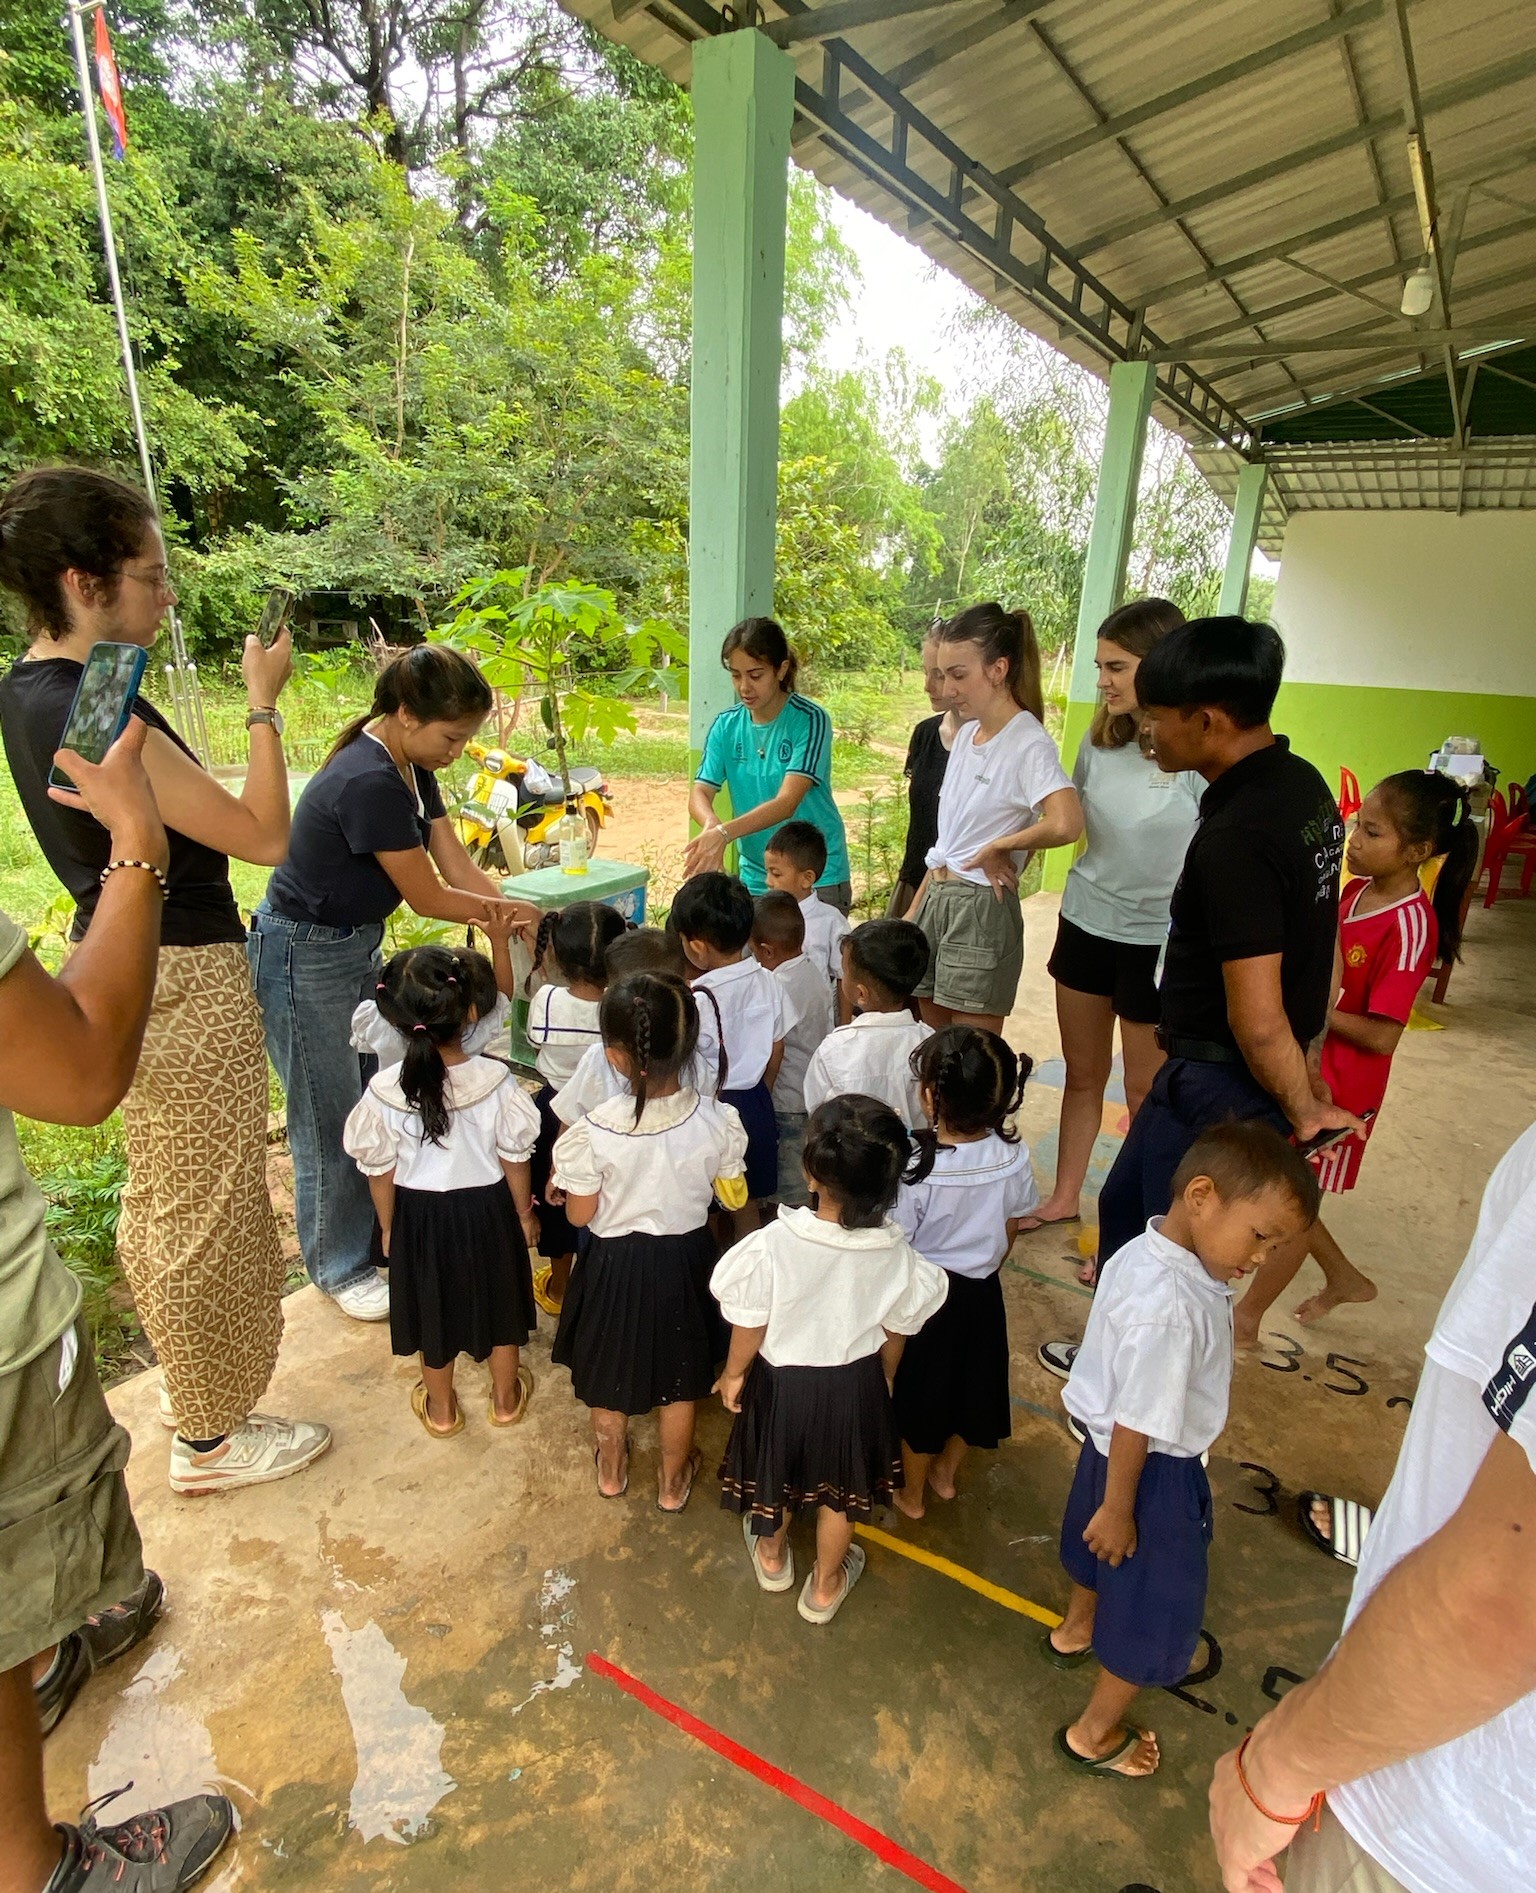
(158,577)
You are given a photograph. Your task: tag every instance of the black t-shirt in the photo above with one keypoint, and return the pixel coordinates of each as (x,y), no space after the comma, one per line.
(927,759)
(1261,876)
(199,910)
(356,809)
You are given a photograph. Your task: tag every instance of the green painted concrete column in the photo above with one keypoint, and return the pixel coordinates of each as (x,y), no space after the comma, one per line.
(743,103)
(1131,386)
(1247,510)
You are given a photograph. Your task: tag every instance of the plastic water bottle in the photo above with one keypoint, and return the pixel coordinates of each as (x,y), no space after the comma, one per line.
(571,834)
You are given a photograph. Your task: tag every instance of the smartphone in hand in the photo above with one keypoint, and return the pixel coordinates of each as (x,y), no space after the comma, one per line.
(274,614)
(109,681)
(1325,1140)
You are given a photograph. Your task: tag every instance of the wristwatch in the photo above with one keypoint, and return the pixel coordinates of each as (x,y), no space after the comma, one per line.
(274,717)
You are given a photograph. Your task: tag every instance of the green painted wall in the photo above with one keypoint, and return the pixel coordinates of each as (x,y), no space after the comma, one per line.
(1377,731)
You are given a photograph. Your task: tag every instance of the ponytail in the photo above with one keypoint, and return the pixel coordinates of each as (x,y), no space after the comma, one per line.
(1428,809)
(764,639)
(1003,634)
(577,939)
(436,684)
(653,1020)
(976,1081)
(59,519)
(429,995)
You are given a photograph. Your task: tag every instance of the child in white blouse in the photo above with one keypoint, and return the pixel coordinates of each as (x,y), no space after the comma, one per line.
(569,956)
(883,961)
(639,1172)
(819,1303)
(444,1139)
(960,1206)
(373,1035)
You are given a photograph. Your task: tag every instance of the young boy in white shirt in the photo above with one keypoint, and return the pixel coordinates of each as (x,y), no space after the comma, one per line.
(794,860)
(883,960)
(1150,1386)
(778,940)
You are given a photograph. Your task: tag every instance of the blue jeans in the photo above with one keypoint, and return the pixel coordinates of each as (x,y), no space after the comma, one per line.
(308,979)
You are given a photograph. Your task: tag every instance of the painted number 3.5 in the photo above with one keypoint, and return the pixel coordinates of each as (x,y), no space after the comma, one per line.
(1293,1354)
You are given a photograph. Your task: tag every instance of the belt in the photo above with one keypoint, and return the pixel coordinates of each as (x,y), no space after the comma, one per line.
(1203,1051)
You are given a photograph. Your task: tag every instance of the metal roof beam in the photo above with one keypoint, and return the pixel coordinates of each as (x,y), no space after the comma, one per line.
(845,16)
(1520,327)
(1373,384)
(951,45)
(1302,240)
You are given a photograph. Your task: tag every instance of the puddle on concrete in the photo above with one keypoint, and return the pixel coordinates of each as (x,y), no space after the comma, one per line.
(160,1746)
(400,1777)
(556,1587)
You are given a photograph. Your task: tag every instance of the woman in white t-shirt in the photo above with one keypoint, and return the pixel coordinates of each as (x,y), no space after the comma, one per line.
(1005,794)
(1114,908)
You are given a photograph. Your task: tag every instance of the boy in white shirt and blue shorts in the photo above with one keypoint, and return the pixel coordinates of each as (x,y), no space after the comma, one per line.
(1150,1386)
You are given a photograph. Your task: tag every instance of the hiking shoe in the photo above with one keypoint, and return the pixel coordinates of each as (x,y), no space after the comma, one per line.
(159,1851)
(1056,1357)
(262,1450)
(365,1300)
(100,1640)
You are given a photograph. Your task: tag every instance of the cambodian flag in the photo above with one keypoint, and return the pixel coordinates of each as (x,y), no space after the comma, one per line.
(111,87)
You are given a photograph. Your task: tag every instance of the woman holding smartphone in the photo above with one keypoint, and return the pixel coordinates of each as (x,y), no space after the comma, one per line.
(197,1239)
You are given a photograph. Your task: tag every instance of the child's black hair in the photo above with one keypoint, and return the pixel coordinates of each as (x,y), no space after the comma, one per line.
(977,1080)
(430,995)
(645,950)
(714,908)
(890,954)
(802,845)
(1245,1158)
(652,1017)
(1429,808)
(577,939)
(778,921)
(856,1149)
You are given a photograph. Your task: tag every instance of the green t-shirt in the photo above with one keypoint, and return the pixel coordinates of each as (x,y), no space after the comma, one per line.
(39,1298)
(752,760)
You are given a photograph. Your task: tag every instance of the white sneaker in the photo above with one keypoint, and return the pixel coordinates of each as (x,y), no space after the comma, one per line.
(365,1300)
(262,1450)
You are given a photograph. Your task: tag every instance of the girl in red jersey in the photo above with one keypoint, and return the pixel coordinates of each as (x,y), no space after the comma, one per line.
(1390,935)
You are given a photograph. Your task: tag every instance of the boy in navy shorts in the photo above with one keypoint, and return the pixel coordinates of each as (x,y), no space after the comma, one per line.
(1150,1386)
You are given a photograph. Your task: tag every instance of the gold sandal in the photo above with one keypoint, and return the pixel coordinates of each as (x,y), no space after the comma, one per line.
(419,1408)
(525,1387)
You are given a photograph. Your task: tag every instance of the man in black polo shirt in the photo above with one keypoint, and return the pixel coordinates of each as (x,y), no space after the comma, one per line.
(1248,973)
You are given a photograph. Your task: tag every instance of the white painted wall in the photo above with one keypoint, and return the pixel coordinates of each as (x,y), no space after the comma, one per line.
(1415,601)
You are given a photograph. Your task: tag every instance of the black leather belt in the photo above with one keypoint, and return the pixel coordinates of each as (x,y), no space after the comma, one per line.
(1205,1051)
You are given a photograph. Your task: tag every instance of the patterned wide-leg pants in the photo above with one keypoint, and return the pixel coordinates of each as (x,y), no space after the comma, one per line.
(197,1239)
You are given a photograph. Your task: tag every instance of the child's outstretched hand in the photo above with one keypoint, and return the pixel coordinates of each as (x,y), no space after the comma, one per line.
(729,1387)
(1111,1536)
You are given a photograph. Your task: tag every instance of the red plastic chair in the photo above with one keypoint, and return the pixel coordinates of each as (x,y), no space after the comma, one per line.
(1507,839)
(1350,798)
(1517,802)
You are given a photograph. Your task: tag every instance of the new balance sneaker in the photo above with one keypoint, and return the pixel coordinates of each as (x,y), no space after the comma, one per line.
(161,1850)
(1056,1357)
(100,1640)
(262,1450)
(364,1300)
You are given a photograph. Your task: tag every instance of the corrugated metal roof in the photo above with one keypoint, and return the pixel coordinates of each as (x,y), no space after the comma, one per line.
(1225,184)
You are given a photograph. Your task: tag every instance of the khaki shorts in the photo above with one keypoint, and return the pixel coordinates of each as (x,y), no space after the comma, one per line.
(68,1543)
(1332,1861)
(975,947)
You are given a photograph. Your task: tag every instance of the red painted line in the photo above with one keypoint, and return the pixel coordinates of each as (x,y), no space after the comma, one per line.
(880,1845)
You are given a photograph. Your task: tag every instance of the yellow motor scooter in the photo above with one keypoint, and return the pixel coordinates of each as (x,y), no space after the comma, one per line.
(507,821)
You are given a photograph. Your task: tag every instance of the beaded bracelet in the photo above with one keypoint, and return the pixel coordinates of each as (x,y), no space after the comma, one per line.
(1313,1811)
(148,867)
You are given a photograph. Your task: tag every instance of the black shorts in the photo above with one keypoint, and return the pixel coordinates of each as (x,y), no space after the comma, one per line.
(1124,975)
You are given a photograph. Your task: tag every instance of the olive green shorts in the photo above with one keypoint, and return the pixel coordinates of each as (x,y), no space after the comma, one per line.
(975,947)
(68,1543)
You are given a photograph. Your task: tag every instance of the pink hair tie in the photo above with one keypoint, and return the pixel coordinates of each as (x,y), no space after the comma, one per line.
(380,987)
(418,1028)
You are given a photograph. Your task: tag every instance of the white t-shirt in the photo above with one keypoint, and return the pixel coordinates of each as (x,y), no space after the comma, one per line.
(373,1033)
(872,1054)
(992,789)
(490,1117)
(595,1080)
(825,931)
(958,1215)
(807,1003)
(1157,1352)
(827,1295)
(1461,1818)
(1138,823)
(657,1177)
(560,1028)
(751,1017)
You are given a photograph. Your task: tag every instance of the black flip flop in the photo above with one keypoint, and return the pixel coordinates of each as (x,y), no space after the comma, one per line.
(1100,1764)
(1037,1223)
(695,1460)
(1351,1521)
(1064,1659)
(597,1459)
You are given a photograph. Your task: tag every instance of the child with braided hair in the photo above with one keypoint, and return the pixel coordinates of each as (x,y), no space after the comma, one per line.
(960,1205)
(639,1330)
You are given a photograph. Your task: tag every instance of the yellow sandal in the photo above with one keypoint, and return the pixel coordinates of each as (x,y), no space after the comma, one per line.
(419,1408)
(525,1386)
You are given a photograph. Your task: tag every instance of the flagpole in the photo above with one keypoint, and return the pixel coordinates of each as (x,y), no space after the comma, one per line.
(182,673)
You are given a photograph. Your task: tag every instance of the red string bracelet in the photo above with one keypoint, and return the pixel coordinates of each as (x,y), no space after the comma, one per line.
(1313,1811)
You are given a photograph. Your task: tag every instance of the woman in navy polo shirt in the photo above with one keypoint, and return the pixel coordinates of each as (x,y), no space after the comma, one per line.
(772,751)
(369,831)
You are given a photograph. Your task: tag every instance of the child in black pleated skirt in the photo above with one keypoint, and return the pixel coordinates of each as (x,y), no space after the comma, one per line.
(444,1139)
(819,1302)
(960,1206)
(638,1329)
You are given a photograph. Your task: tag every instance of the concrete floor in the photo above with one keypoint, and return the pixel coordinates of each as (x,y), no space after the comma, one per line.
(386,1662)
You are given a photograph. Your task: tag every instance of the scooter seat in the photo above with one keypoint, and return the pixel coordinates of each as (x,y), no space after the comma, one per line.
(586,778)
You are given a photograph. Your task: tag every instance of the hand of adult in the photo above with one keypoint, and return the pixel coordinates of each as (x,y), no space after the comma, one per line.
(266,668)
(117,792)
(999,867)
(706,852)
(503,918)
(1247,1844)
(1324,1117)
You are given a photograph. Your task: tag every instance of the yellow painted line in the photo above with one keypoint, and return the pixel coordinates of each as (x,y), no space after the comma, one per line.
(984,1587)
